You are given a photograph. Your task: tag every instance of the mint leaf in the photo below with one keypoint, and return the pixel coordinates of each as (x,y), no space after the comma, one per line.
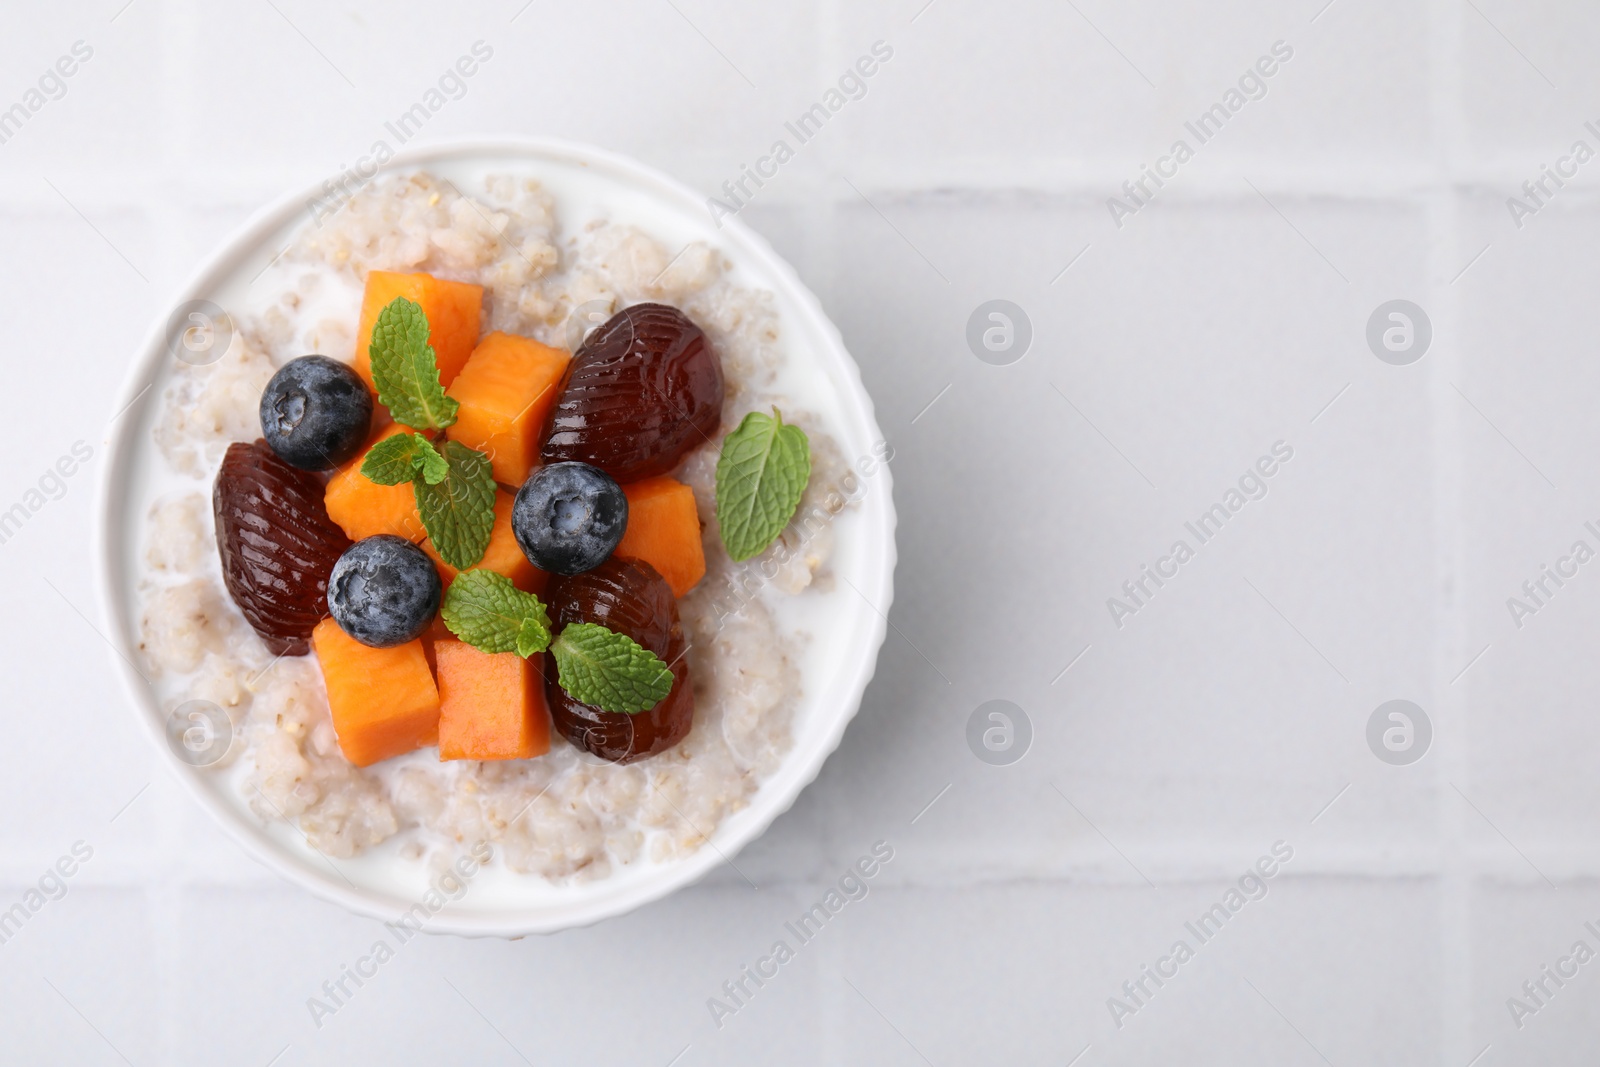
(595,665)
(534,634)
(405,370)
(458,511)
(404,456)
(486,611)
(433,468)
(609,670)
(761,475)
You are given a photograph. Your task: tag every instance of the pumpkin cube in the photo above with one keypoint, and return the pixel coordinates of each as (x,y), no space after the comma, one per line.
(491,705)
(453,310)
(506,391)
(363,508)
(384,700)
(664,531)
(503,556)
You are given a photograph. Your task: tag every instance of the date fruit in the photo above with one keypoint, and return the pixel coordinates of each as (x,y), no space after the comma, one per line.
(627,596)
(277,544)
(640,392)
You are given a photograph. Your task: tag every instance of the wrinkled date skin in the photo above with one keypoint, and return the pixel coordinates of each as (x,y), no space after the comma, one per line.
(641,391)
(627,596)
(277,544)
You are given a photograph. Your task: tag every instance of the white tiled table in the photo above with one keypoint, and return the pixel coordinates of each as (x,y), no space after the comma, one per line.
(1224,716)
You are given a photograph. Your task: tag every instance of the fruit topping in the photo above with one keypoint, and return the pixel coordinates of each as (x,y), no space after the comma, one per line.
(491,704)
(452,486)
(568,517)
(505,393)
(503,556)
(315,413)
(278,546)
(405,368)
(629,598)
(641,391)
(384,701)
(384,591)
(452,311)
(594,664)
(664,531)
(364,507)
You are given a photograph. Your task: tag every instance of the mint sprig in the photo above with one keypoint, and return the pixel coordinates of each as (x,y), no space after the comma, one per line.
(402,457)
(405,370)
(458,510)
(594,664)
(612,671)
(455,489)
(486,611)
(761,476)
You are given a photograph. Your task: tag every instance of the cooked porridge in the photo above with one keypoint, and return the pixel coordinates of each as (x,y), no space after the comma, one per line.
(564,814)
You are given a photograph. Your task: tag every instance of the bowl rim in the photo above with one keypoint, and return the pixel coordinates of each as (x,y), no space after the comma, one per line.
(114,592)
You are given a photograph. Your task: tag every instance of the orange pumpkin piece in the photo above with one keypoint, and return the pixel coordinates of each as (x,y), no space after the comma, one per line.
(664,531)
(503,556)
(491,704)
(505,391)
(452,308)
(384,700)
(363,508)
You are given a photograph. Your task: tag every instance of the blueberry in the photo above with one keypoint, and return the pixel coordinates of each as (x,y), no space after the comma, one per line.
(568,517)
(384,591)
(315,413)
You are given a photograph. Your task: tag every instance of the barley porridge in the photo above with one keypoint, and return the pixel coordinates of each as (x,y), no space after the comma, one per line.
(565,814)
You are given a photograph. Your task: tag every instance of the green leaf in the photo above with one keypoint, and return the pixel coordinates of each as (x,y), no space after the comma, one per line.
(761,475)
(405,370)
(486,611)
(458,512)
(404,456)
(434,467)
(533,635)
(609,670)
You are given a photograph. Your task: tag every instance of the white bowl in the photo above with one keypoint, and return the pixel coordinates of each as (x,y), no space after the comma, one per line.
(836,664)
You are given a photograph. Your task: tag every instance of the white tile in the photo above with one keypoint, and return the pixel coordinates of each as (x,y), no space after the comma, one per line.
(1096,88)
(1024,974)
(1528,492)
(1523,100)
(1353,98)
(80,977)
(1031,520)
(1516,934)
(109,113)
(638,984)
